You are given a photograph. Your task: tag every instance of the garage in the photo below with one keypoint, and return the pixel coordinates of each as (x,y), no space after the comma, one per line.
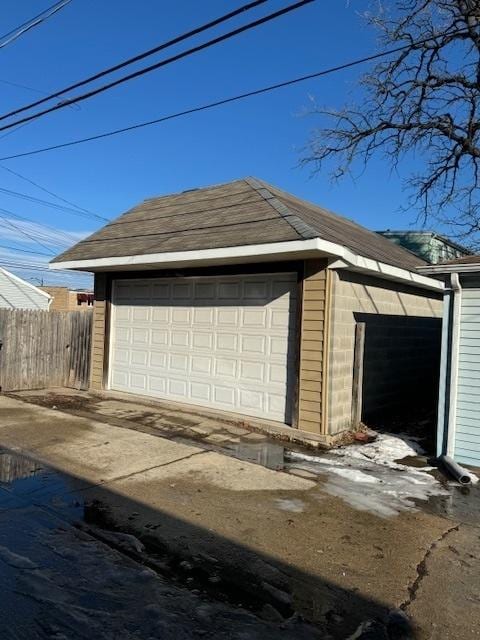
(226,342)
(243,297)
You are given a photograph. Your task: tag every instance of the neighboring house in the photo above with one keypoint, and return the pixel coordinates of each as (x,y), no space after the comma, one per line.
(459,399)
(16,293)
(244,298)
(64,299)
(428,245)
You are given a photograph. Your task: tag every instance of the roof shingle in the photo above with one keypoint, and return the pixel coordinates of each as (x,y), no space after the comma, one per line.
(243,212)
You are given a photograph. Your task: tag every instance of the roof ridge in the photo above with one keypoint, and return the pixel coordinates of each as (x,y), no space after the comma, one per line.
(349,221)
(191,189)
(304,230)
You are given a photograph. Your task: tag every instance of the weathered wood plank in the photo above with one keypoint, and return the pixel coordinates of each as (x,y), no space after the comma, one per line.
(42,349)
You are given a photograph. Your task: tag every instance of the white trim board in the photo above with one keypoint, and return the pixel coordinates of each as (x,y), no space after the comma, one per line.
(451,268)
(296,249)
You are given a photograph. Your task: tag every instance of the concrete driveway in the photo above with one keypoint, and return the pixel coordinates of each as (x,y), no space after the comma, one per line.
(278,545)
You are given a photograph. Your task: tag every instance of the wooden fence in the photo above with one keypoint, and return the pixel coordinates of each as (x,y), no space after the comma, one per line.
(41,349)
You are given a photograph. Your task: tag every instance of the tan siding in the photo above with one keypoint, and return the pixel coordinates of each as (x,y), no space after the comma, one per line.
(355,293)
(98,335)
(312,346)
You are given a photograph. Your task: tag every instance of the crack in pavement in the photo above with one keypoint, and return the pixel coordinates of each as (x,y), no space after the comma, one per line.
(134,473)
(422,570)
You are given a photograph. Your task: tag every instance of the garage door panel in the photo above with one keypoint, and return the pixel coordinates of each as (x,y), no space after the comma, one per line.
(139,358)
(226,342)
(201,365)
(158,360)
(159,338)
(203,316)
(254,317)
(157,384)
(177,388)
(160,291)
(226,317)
(180,338)
(202,341)
(140,336)
(253,345)
(200,391)
(161,315)
(251,372)
(181,315)
(225,367)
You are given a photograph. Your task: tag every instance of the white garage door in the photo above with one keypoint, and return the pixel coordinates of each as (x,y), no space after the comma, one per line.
(224,342)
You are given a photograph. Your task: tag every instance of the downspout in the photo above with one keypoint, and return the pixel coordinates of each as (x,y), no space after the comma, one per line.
(447,459)
(453,382)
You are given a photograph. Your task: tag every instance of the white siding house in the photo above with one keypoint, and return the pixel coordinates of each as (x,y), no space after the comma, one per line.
(16,293)
(458,433)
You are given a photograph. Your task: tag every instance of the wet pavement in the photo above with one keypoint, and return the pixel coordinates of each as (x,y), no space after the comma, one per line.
(340,539)
(65,577)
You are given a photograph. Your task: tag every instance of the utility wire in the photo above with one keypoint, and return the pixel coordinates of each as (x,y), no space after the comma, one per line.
(25,233)
(140,56)
(58,238)
(37,267)
(54,205)
(158,65)
(223,101)
(12,35)
(50,193)
(30,251)
(43,231)
(76,107)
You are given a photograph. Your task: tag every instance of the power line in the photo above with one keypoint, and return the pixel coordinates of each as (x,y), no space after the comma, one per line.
(25,233)
(37,228)
(37,267)
(158,65)
(31,23)
(30,251)
(140,56)
(57,232)
(33,90)
(51,193)
(47,203)
(222,101)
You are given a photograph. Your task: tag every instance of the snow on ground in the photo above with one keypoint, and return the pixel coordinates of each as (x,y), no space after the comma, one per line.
(371,477)
(294,505)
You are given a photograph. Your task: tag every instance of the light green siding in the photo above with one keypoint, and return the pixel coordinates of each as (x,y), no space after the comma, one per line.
(427,245)
(467,427)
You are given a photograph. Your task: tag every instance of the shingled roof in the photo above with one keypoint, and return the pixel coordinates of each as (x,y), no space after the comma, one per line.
(243,212)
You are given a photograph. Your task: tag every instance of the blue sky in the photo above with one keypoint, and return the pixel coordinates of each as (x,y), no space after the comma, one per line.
(262,136)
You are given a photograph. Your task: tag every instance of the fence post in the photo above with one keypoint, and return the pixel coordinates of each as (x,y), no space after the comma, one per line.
(357,389)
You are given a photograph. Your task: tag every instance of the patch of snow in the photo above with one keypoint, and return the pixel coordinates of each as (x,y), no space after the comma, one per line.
(370,477)
(294,505)
(473,477)
(355,475)
(387,449)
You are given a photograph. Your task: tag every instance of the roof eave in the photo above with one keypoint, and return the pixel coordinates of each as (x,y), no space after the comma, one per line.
(291,250)
(452,268)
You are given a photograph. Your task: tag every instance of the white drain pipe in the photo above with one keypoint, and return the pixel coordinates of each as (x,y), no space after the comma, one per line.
(454,469)
(455,345)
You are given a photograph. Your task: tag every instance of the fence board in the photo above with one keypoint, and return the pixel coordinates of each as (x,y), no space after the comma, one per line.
(41,349)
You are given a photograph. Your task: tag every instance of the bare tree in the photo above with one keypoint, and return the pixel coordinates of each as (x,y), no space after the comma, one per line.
(421,104)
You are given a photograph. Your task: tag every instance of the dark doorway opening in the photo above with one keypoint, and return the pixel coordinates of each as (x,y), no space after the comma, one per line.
(400,362)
